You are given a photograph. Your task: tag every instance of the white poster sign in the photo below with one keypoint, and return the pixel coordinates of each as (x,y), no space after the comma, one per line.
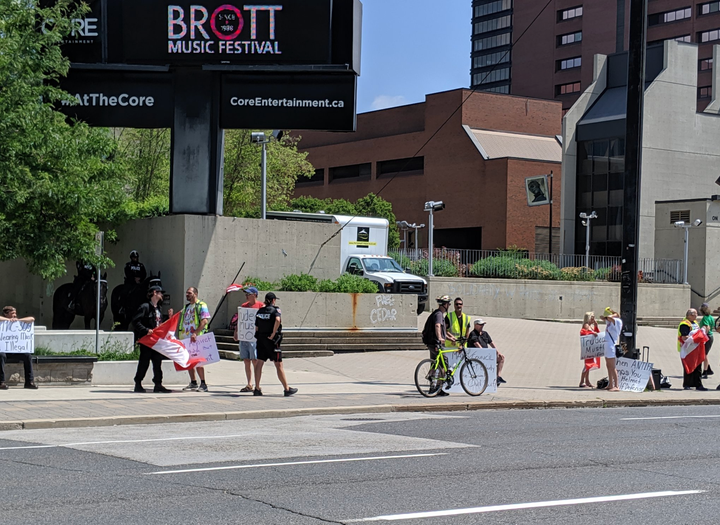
(17,337)
(246,324)
(592,346)
(633,375)
(205,347)
(488,357)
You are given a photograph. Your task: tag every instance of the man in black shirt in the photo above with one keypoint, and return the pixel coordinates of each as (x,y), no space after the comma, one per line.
(268,332)
(481,339)
(146,319)
(437,320)
(135,272)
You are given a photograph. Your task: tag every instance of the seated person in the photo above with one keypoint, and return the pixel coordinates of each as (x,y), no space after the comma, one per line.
(9,313)
(481,339)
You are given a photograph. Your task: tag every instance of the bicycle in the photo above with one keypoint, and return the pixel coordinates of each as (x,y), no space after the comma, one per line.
(473,373)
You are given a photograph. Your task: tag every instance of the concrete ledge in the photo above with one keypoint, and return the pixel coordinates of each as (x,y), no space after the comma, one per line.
(63,341)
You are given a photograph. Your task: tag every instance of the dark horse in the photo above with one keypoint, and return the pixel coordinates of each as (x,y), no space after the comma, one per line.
(123,307)
(85,304)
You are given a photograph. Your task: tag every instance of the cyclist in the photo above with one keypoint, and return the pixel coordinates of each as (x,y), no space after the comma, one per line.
(437,319)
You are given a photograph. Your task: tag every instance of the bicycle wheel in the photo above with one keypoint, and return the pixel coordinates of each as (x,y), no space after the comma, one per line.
(473,377)
(423,374)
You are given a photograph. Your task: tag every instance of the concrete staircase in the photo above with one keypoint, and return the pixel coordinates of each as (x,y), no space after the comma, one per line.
(327,343)
(660,322)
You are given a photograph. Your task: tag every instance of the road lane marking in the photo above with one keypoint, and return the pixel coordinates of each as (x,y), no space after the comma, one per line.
(309,462)
(663,417)
(520,506)
(86,443)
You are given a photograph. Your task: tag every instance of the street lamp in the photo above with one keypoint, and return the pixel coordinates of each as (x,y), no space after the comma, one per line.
(404,227)
(586,223)
(686,227)
(260,138)
(432,206)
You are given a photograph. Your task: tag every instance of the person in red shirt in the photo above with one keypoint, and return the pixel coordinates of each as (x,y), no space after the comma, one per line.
(248,349)
(589,327)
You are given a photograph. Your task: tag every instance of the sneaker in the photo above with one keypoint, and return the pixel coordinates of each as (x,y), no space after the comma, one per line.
(442,393)
(501,380)
(202,388)
(159,389)
(31,386)
(716,388)
(3,386)
(290,391)
(192,387)
(709,371)
(701,389)
(433,389)
(690,388)
(704,375)
(257,392)
(139,389)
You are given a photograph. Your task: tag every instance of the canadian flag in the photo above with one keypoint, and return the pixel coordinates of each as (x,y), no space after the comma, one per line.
(692,352)
(163,341)
(234,288)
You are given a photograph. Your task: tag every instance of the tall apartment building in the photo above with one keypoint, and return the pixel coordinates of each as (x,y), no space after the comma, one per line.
(553,59)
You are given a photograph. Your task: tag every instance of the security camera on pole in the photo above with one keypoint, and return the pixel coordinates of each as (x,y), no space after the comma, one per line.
(260,138)
(685,226)
(432,206)
(586,223)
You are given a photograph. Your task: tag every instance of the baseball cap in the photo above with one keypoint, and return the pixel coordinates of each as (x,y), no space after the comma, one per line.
(252,290)
(480,321)
(270,296)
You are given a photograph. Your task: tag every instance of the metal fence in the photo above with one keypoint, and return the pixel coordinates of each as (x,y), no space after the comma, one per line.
(448,262)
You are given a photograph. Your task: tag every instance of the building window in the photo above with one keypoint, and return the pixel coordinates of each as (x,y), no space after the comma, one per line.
(570,38)
(489,77)
(709,36)
(669,16)
(567,14)
(318,177)
(705,92)
(710,7)
(490,60)
(493,24)
(569,63)
(566,89)
(682,38)
(411,166)
(492,41)
(492,7)
(705,64)
(351,172)
(495,89)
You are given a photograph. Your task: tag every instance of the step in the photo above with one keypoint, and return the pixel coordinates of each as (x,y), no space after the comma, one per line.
(347,347)
(335,333)
(235,356)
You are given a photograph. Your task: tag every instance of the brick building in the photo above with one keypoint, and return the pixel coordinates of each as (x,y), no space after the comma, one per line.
(554,58)
(475,159)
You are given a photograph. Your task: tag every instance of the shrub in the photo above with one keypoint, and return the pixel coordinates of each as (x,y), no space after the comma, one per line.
(298,283)
(327,286)
(263,286)
(577,274)
(496,266)
(441,268)
(354,284)
(110,355)
(403,260)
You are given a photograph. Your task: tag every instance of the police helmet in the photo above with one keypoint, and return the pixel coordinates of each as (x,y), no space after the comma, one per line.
(134,253)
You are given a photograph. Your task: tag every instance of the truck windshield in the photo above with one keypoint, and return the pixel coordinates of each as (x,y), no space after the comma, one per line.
(381,265)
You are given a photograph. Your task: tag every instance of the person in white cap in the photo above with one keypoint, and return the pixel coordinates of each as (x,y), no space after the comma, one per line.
(481,339)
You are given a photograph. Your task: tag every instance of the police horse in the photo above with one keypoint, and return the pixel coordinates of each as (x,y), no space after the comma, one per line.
(124,304)
(66,307)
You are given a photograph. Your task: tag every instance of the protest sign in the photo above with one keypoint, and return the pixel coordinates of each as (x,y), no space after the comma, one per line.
(204,347)
(246,324)
(17,337)
(633,375)
(488,357)
(592,346)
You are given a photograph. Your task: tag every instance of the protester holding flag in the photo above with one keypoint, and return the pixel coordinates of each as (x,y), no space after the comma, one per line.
(589,327)
(248,349)
(193,321)
(146,320)
(613,329)
(691,345)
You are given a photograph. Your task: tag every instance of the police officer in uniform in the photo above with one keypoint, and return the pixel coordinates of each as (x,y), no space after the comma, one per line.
(86,273)
(268,332)
(135,272)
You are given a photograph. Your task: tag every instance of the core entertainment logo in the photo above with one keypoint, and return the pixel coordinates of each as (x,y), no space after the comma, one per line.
(190,35)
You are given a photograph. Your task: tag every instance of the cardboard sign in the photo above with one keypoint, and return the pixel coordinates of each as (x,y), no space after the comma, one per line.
(592,346)
(17,337)
(488,357)
(205,347)
(633,375)
(246,324)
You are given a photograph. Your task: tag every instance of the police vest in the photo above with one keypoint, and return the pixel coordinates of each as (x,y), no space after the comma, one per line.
(198,308)
(455,327)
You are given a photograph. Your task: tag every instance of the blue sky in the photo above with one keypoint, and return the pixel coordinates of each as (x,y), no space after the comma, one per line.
(411,48)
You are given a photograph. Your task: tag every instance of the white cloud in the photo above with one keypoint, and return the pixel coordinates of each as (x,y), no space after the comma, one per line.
(387,101)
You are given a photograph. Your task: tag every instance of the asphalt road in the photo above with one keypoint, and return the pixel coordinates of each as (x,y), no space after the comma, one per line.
(645,465)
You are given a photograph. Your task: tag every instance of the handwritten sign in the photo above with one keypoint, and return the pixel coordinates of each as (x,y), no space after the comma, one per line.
(205,347)
(17,337)
(592,346)
(488,357)
(633,376)
(246,324)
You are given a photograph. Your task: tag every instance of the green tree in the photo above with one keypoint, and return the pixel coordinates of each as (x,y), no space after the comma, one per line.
(147,157)
(59,179)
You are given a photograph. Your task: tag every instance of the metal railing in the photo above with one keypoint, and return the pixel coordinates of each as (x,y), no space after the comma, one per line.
(517,264)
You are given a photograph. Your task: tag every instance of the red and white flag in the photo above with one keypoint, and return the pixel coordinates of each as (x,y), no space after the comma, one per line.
(234,288)
(164,342)
(692,352)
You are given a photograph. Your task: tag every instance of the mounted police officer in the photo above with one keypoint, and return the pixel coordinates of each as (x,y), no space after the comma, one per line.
(86,273)
(135,272)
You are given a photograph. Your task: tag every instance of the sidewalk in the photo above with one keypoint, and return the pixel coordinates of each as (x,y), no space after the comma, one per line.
(542,370)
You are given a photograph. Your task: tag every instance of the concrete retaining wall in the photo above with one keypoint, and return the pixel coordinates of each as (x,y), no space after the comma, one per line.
(339,311)
(526,299)
(62,341)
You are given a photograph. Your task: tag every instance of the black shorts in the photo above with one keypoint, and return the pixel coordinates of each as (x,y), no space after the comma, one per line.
(266,349)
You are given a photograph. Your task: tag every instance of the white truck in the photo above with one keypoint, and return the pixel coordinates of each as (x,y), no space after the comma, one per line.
(363,252)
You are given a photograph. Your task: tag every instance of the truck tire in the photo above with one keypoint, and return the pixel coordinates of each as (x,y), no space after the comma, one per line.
(380,287)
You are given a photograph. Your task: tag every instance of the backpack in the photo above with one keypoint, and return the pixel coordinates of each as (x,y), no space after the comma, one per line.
(428,333)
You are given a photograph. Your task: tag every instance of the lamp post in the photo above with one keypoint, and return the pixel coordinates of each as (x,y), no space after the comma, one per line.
(586,223)
(262,139)
(404,227)
(432,206)
(686,227)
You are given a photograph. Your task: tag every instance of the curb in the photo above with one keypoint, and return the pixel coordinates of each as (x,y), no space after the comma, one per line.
(360,409)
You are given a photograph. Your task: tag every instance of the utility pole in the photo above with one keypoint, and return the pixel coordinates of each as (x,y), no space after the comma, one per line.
(633,163)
